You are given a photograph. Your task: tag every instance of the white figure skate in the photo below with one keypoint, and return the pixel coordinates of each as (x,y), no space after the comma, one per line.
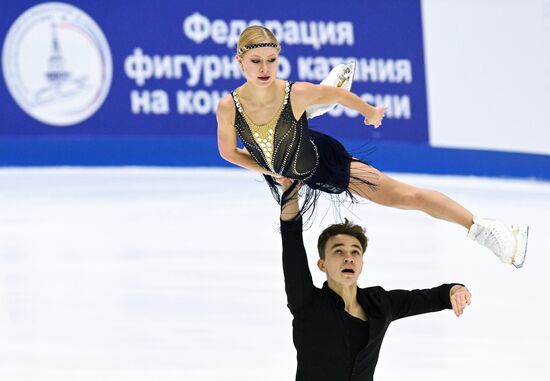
(340,76)
(508,242)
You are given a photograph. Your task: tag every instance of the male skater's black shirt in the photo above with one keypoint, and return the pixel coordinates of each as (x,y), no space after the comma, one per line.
(321,328)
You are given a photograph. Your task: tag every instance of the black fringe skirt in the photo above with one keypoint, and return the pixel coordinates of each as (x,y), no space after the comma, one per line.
(331,178)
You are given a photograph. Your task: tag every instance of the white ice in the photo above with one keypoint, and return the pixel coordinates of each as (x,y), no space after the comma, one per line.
(175,274)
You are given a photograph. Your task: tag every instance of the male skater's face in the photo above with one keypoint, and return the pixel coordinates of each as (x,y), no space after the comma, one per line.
(260,65)
(343,261)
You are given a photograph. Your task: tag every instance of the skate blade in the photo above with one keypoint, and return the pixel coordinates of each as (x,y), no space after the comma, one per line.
(340,76)
(521,249)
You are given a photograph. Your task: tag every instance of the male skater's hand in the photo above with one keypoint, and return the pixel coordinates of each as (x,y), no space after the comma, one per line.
(460,298)
(284,181)
(289,198)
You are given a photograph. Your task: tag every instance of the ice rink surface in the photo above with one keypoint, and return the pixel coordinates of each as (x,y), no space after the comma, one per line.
(175,274)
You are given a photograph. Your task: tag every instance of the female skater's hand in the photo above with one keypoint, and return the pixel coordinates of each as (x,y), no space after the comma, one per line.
(374,116)
(460,298)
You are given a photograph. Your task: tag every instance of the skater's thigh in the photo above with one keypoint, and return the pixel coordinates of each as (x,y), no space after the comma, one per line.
(387,190)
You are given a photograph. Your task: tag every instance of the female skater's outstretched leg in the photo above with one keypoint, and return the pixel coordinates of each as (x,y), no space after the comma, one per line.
(509,243)
(390,192)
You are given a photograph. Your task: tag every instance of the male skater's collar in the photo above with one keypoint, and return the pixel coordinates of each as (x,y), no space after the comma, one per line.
(361,298)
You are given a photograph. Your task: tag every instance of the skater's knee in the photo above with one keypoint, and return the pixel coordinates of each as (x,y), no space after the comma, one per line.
(408,198)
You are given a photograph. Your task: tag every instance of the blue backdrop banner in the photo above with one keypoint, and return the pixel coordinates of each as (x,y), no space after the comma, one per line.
(138,83)
(126,69)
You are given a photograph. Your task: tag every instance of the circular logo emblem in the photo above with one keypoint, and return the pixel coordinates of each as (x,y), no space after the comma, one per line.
(57,64)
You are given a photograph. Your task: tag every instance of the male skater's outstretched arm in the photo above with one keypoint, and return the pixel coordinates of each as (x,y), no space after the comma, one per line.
(298,283)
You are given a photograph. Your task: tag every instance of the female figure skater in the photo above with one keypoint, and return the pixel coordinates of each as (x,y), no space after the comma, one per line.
(269,116)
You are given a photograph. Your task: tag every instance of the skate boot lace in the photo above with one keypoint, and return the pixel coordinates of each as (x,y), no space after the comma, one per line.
(497,237)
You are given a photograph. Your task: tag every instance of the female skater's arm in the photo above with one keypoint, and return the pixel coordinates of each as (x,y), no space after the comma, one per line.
(227,138)
(305,94)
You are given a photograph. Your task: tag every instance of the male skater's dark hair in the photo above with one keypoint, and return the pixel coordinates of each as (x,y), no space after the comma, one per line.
(347,228)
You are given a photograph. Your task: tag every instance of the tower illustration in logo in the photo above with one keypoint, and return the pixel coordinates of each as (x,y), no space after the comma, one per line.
(57,64)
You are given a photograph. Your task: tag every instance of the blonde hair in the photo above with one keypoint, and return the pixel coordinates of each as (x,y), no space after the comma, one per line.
(255,34)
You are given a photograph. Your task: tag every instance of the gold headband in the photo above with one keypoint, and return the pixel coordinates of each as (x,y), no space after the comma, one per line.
(260,45)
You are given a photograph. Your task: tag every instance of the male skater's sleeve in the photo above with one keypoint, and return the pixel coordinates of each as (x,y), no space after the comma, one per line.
(409,303)
(298,283)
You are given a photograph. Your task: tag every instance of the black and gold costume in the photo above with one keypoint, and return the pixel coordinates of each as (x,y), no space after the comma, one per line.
(287,147)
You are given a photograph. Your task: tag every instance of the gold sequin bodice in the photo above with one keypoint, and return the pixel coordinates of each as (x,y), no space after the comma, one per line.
(282,145)
(264,133)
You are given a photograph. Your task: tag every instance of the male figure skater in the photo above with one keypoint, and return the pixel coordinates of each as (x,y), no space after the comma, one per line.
(338,330)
